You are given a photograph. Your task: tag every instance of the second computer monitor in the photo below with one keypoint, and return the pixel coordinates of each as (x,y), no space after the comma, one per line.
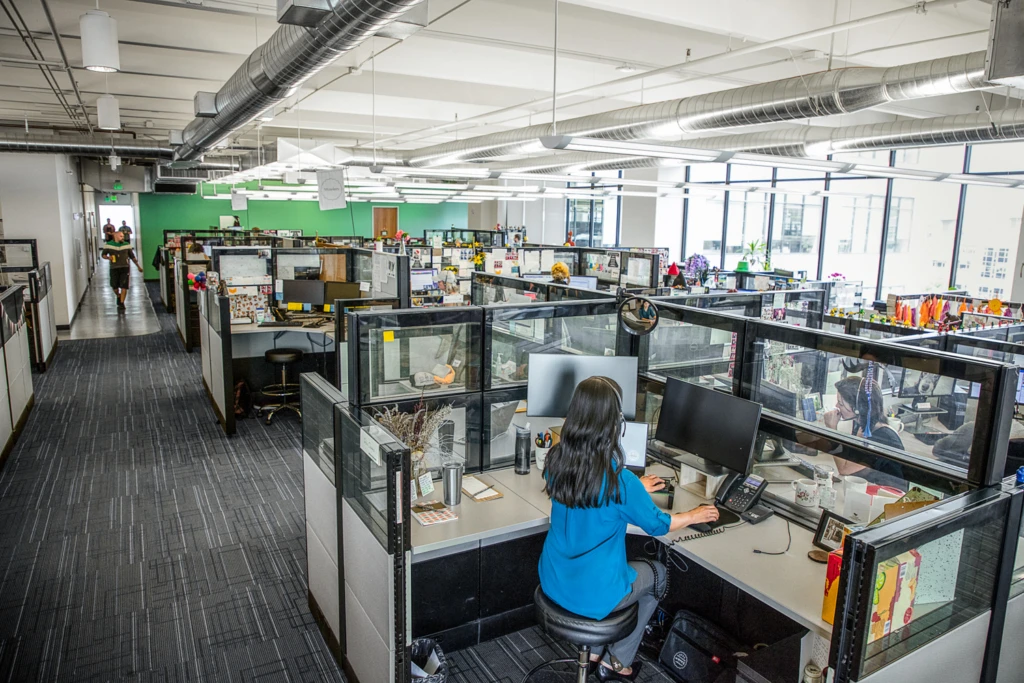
(422,280)
(303,292)
(717,427)
(553,380)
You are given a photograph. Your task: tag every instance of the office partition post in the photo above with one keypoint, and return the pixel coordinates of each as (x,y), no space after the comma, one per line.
(1004,578)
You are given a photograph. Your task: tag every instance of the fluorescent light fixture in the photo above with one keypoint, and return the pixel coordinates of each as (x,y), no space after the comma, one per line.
(432,172)
(631,148)
(108,113)
(625,69)
(450,187)
(99,42)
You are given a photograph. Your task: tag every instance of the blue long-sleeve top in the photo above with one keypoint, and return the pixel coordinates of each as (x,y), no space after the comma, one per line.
(583,565)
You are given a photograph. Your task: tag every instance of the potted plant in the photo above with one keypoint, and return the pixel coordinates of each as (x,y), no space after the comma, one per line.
(416,430)
(752,256)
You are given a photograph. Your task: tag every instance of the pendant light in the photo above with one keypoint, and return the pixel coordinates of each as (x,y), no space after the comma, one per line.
(108,113)
(99,42)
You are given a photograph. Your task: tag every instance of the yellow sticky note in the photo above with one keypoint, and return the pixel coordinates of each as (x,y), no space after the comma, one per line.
(292,306)
(389,336)
(328,308)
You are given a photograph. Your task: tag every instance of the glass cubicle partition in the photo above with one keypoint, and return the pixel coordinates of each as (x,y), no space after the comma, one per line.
(916,405)
(489,289)
(538,260)
(374,472)
(918,595)
(694,345)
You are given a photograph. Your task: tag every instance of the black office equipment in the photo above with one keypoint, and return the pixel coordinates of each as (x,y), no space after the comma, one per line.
(916,384)
(303,292)
(757,514)
(739,494)
(717,427)
(553,380)
(341,290)
(697,650)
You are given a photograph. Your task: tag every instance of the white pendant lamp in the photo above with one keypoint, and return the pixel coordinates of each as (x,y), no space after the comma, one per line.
(99,42)
(108,113)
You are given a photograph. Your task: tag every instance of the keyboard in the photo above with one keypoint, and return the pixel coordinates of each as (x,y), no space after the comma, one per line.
(279,323)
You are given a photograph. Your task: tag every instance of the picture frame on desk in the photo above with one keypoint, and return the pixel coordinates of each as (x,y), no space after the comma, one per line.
(831,531)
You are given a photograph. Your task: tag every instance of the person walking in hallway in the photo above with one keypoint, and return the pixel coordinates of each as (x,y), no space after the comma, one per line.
(108,231)
(119,252)
(127,230)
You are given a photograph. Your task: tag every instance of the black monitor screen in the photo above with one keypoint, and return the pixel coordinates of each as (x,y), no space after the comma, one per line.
(718,427)
(342,290)
(553,380)
(304,292)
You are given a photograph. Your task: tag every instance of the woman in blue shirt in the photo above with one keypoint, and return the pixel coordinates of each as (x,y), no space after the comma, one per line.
(583,565)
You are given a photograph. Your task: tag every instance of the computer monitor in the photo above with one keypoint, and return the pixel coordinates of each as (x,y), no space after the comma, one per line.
(719,428)
(1020,386)
(341,290)
(553,380)
(536,276)
(422,280)
(634,445)
(917,383)
(583,281)
(303,292)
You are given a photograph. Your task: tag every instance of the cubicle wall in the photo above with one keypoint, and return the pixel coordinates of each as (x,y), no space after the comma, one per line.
(42,321)
(16,392)
(357,535)
(497,289)
(218,373)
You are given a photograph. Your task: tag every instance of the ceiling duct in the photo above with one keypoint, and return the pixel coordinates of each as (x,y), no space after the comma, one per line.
(277,67)
(84,146)
(827,93)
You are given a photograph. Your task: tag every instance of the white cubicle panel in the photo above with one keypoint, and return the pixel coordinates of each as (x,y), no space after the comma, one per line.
(1011,655)
(18,365)
(322,542)
(181,307)
(369,601)
(956,656)
(6,425)
(204,336)
(47,326)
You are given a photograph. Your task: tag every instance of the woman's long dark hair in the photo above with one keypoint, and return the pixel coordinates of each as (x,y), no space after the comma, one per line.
(582,470)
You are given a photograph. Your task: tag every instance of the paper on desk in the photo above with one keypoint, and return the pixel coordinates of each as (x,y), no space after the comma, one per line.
(478,490)
(547,259)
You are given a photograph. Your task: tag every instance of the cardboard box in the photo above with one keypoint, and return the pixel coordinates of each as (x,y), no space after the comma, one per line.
(886,583)
(906,589)
(832,574)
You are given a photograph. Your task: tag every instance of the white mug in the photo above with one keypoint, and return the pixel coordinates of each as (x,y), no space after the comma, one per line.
(806,492)
(542,456)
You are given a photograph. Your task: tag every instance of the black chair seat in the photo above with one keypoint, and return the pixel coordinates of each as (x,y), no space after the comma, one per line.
(283,356)
(563,624)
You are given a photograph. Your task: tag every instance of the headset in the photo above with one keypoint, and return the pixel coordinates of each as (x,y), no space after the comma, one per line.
(618,397)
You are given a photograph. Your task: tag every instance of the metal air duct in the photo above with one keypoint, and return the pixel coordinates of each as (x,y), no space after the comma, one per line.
(826,93)
(277,67)
(84,146)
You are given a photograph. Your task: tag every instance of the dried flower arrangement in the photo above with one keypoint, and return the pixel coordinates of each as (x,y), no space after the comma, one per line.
(415,429)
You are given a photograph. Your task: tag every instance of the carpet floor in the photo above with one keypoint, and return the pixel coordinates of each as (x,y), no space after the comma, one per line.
(138,543)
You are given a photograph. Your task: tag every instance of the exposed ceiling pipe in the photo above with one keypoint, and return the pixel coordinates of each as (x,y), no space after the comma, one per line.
(920,8)
(279,66)
(827,93)
(84,146)
(1003,125)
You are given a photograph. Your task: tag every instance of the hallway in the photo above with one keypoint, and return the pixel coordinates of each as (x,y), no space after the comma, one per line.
(137,542)
(97,316)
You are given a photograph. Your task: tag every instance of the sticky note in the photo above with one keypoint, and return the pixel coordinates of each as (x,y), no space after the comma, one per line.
(328,308)
(389,336)
(307,307)
(293,306)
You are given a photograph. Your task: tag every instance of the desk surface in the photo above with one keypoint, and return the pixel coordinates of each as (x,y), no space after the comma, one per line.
(253,328)
(790,583)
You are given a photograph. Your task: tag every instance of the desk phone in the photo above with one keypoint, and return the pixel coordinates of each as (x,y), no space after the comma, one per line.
(738,493)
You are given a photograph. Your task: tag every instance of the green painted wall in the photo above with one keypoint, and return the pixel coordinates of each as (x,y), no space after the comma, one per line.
(191,212)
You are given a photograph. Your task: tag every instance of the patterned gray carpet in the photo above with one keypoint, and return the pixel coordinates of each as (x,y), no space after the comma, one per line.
(137,543)
(509,658)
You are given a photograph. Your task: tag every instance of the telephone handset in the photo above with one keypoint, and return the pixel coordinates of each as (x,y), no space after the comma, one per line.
(739,493)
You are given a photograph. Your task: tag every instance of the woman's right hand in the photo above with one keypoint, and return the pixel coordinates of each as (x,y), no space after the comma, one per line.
(831,419)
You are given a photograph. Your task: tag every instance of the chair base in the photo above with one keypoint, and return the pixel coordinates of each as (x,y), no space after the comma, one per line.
(273,408)
(582,665)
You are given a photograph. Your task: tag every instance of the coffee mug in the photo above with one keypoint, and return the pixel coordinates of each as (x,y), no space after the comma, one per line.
(541,455)
(896,424)
(806,492)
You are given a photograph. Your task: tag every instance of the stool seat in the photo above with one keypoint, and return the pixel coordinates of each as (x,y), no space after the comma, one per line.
(563,624)
(283,356)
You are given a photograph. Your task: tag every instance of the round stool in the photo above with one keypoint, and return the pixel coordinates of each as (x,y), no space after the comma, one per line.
(282,391)
(580,631)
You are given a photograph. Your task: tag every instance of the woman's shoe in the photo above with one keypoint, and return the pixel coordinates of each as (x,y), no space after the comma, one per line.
(606,674)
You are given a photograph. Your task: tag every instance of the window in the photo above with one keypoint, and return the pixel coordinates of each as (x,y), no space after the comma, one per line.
(853,231)
(705,207)
(748,224)
(991,221)
(922,224)
(796,226)
(594,222)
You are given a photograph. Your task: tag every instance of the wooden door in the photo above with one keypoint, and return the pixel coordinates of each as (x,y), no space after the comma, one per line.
(385,221)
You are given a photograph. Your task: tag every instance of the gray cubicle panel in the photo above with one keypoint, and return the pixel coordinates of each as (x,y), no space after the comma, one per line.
(216,352)
(43,320)
(16,392)
(374,545)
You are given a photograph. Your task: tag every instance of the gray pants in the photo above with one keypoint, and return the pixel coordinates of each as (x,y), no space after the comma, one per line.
(643,594)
